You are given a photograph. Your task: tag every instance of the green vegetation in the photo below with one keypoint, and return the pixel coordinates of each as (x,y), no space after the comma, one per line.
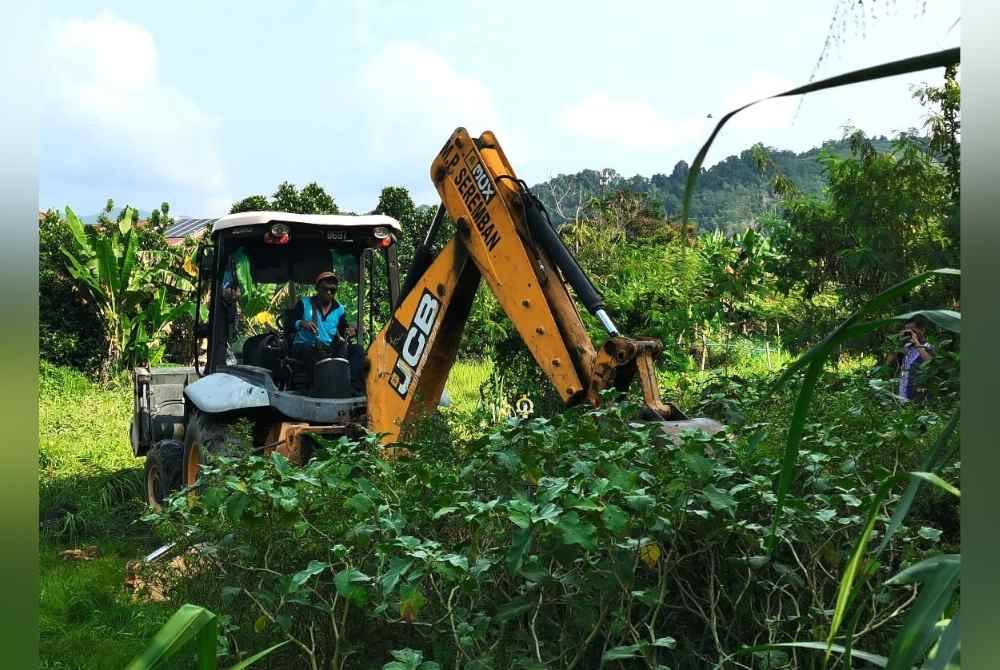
(731,194)
(821,526)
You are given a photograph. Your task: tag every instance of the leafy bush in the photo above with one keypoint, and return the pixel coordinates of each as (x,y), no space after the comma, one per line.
(70,331)
(564,543)
(136,290)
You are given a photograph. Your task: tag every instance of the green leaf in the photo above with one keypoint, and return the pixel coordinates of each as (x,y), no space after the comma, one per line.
(229,593)
(932,534)
(614,518)
(397,568)
(125,225)
(825,515)
(621,653)
(348,583)
(302,576)
(927,569)
(697,463)
(718,498)
(236,505)
(519,545)
(281,464)
(188,623)
(577,531)
(549,513)
(519,512)
(443,511)
(514,609)
(78,232)
(641,502)
(360,503)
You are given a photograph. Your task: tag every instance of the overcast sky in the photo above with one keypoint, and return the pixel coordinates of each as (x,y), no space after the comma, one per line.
(201,104)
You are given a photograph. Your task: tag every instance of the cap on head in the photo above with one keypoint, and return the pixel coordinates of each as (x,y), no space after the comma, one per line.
(326,276)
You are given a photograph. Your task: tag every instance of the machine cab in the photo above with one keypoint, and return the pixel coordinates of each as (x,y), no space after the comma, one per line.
(261,266)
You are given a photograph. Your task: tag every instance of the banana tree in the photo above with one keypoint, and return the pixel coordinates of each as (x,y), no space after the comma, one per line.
(136,293)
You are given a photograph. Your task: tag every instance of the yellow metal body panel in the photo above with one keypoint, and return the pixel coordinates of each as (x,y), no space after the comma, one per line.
(478,190)
(408,362)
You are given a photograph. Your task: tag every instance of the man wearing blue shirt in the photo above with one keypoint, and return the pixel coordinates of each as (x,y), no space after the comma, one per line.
(320,325)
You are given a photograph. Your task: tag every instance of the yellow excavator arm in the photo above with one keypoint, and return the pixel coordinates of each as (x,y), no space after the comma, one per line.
(504,238)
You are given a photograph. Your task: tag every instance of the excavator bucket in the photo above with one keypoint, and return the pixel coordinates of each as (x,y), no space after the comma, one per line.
(619,361)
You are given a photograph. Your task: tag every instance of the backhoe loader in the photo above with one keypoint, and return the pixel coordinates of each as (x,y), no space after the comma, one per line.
(252,389)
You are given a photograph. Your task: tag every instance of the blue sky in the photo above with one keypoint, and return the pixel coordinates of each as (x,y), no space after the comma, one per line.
(200,104)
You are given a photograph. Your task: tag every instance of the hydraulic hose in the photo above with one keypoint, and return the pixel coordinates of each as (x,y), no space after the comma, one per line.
(546,236)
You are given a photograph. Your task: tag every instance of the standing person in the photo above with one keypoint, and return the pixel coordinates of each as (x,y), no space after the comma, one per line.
(916,352)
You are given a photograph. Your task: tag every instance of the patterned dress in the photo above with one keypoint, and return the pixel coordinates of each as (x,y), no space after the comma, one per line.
(907,379)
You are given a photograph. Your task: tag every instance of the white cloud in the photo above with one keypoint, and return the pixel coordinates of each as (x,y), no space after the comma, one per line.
(413,88)
(632,122)
(111,122)
(768,115)
(412,100)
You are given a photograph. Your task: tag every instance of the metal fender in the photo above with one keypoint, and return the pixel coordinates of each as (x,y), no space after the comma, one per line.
(221,392)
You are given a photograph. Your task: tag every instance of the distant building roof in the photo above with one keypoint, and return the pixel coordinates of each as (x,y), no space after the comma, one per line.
(187,227)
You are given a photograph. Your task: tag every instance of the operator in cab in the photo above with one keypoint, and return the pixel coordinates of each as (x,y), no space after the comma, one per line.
(322,330)
(320,323)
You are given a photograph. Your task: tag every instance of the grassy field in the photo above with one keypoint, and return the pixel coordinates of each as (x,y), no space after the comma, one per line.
(91,495)
(91,485)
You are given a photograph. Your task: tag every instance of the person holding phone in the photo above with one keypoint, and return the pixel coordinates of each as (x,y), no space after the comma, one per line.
(916,352)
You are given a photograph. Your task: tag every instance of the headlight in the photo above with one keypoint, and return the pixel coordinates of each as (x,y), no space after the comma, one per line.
(381,232)
(279,230)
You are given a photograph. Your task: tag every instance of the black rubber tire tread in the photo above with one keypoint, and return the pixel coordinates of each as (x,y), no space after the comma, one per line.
(165,464)
(212,437)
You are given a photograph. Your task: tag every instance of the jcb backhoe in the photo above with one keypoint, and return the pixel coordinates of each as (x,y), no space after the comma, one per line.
(251,386)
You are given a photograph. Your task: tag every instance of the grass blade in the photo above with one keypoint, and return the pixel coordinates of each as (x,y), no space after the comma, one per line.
(940,577)
(850,573)
(947,647)
(247,662)
(937,481)
(944,319)
(874,659)
(907,65)
(185,624)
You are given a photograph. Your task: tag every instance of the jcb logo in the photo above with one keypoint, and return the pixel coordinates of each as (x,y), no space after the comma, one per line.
(415,345)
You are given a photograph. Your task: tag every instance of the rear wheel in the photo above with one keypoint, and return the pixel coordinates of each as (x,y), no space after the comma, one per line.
(205,438)
(163,471)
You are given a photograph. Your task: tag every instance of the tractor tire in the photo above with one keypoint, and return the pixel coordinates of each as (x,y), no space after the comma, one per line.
(204,438)
(163,472)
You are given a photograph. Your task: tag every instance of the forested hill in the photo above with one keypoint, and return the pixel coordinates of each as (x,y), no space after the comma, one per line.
(729,195)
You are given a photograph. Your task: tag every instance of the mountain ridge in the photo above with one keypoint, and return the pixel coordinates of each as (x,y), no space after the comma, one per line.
(729,196)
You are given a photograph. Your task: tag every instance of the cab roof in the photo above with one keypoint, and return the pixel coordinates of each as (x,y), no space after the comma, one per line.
(332,220)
